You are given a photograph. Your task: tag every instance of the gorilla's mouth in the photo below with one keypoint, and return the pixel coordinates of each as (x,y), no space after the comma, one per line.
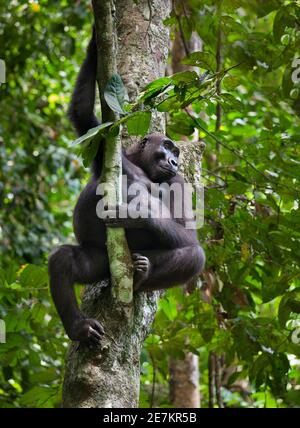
(167,172)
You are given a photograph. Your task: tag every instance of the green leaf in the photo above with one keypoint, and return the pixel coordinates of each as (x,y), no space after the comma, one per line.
(154,89)
(231,5)
(280,367)
(229,25)
(287,83)
(38,313)
(34,276)
(36,396)
(237,187)
(229,102)
(259,366)
(115,94)
(45,376)
(181,126)
(138,123)
(157,84)
(169,307)
(93,133)
(282,20)
(185,76)
(231,82)
(264,7)
(169,104)
(89,143)
(89,152)
(201,59)
(290,303)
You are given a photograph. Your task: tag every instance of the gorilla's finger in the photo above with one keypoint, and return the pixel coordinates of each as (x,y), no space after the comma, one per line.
(141,265)
(94,335)
(97,326)
(141,262)
(143,268)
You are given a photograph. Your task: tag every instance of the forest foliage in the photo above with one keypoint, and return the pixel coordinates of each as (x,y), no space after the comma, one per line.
(247,308)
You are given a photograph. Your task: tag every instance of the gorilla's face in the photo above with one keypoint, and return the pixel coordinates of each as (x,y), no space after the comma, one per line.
(159,157)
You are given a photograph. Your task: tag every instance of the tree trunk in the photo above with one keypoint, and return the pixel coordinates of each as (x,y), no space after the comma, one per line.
(110,377)
(184,382)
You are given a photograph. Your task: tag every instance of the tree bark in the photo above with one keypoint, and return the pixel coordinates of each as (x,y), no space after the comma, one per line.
(110,377)
(120,262)
(184,382)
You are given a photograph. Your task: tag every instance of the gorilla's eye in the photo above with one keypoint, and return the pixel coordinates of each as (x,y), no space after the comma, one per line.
(168,145)
(176,152)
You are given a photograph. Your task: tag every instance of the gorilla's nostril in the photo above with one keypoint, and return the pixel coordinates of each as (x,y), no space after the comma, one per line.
(173,162)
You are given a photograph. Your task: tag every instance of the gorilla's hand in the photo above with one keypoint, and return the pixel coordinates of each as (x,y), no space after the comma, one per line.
(141,265)
(87,331)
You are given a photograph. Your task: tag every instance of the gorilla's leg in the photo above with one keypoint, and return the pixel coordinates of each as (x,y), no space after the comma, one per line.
(168,268)
(68,265)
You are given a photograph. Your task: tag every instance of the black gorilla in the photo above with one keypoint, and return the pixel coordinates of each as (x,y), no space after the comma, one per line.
(164,252)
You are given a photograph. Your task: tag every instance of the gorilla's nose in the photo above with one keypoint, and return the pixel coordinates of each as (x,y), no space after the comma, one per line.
(173,162)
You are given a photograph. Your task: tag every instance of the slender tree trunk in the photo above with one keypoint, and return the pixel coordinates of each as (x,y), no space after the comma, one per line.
(110,377)
(184,382)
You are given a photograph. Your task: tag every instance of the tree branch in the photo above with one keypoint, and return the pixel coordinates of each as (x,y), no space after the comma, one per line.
(118,252)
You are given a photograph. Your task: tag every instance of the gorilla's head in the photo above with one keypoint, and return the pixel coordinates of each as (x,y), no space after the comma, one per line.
(158,157)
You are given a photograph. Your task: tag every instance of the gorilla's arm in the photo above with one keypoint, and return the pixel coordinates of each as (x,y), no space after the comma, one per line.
(173,234)
(81,111)
(173,231)
(170,231)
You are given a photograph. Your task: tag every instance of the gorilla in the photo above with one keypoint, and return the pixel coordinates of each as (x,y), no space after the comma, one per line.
(164,252)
